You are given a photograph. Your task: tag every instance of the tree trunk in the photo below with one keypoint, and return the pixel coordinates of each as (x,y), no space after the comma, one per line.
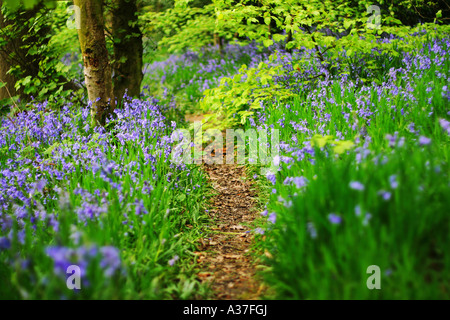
(128,49)
(218,42)
(289,39)
(5,62)
(97,70)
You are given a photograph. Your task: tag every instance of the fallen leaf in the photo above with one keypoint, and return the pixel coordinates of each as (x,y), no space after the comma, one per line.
(231,256)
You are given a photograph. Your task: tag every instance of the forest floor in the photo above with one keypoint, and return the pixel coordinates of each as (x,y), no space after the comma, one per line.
(224,258)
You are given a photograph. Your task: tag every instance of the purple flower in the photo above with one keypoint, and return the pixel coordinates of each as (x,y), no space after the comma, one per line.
(367,218)
(334,219)
(38,186)
(276,161)
(173,260)
(62,257)
(264,213)
(271,177)
(411,128)
(5,243)
(393,181)
(300,182)
(259,230)
(358,210)
(445,125)
(356,185)
(111,260)
(140,208)
(272,217)
(287,181)
(20,211)
(285,203)
(312,230)
(386,195)
(424,141)
(392,139)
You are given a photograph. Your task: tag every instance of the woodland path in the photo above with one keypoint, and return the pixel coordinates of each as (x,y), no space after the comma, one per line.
(224,257)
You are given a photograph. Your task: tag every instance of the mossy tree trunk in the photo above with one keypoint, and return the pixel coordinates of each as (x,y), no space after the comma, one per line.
(8,79)
(97,69)
(128,49)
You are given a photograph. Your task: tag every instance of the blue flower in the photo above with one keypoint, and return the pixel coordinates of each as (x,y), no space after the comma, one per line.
(5,243)
(300,182)
(259,230)
(272,217)
(356,185)
(334,219)
(312,230)
(271,177)
(173,260)
(386,195)
(367,217)
(423,141)
(393,181)
(358,210)
(110,261)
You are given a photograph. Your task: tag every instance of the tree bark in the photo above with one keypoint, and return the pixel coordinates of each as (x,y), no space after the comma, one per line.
(5,62)
(97,70)
(218,42)
(128,49)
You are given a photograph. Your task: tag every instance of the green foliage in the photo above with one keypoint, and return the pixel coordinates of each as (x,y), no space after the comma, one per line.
(401,227)
(168,224)
(181,26)
(404,236)
(236,98)
(38,64)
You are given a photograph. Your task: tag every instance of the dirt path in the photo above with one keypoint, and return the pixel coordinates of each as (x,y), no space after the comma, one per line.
(224,257)
(225,260)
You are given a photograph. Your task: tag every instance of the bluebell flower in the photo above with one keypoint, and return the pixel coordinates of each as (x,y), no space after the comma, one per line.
(173,260)
(5,243)
(423,141)
(356,185)
(386,195)
(334,219)
(272,217)
(259,230)
(393,181)
(312,230)
(358,210)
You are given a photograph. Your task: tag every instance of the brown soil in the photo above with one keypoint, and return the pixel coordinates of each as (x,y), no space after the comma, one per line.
(224,258)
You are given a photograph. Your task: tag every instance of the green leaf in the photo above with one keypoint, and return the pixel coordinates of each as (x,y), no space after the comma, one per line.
(268,42)
(51,148)
(279,37)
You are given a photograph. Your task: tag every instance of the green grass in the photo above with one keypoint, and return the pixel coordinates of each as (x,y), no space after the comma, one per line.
(149,227)
(326,234)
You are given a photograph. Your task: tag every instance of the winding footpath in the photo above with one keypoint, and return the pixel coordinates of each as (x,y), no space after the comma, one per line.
(224,258)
